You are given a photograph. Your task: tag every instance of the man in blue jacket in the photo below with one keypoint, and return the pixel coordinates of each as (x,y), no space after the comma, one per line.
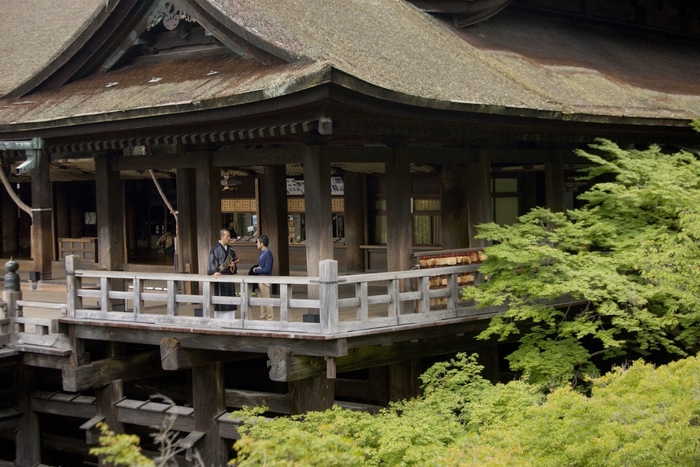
(264,268)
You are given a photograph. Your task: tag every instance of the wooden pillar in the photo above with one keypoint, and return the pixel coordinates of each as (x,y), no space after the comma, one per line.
(208,201)
(355,227)
(404,381)
(454,209)
(479,195)
(317,196)
(311,394)
(319,212)
(528,188)
(106,396)
(28,436)
(24,238)
(77,210)
(209,402)
(110,215)
(399,220)
(42,217)
(62,210)
(488,358)
(554,183)
(10,222)
(273,216)
(187,221)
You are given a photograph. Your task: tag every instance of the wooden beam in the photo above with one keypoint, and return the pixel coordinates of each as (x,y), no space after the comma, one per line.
(286,366)
(213,340)
(102,372)
(277,403)
(28,436)
(150,414)
(68,405)
(174,357)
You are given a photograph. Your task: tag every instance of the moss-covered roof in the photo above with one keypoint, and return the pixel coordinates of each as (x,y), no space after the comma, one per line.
(512,64)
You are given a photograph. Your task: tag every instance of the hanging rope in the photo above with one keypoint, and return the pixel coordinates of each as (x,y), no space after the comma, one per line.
(173,212)
(165,200)
(13,195)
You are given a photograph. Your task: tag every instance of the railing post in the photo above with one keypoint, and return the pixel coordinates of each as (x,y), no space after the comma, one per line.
(11,293)
(328,295)
(73,284)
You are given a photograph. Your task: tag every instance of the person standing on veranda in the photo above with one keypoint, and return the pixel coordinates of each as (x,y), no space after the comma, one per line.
(264,268)
(222,261)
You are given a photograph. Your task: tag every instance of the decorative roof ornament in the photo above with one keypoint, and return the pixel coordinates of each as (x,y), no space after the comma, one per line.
(170,13)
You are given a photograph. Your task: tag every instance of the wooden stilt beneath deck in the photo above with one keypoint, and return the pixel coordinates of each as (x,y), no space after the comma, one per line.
(404,382)
(311,394)
(28,437)
(209,403)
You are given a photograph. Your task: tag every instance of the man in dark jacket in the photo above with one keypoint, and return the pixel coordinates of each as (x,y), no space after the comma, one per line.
(222,261)
(265,262)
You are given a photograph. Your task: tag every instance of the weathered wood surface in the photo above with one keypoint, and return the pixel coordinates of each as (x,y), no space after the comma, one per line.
(102,372)
(209,404)
(331,322)
(285,366)
(174,357)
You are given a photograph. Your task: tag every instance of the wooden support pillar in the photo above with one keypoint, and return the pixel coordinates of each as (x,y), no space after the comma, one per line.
(554,183)
(319,212)
(311,394)
(109,190)
(209,402)
(488,358)
(479,195)
(42,217)
(24,238)
(62,202)
(28,437)
(528,188)
(187,220)
(77,210)
(355,227)
(404,381)
(208,201)
(106,396)
(317,196)
(399,221)
(110,215)
(10,223)
(454,209)
(273,215)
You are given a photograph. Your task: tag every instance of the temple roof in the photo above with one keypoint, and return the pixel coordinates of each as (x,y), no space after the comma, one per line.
(515,64)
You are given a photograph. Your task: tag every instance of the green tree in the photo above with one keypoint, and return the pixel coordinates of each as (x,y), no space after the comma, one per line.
(637,416)
(632,255)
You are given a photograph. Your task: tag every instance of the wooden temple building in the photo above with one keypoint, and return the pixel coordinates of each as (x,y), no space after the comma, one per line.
(359,136)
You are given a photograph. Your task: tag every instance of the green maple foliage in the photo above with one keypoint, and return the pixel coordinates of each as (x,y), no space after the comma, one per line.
(631,256)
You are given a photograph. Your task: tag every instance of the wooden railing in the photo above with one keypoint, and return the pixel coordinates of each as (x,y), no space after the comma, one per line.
(367,301)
